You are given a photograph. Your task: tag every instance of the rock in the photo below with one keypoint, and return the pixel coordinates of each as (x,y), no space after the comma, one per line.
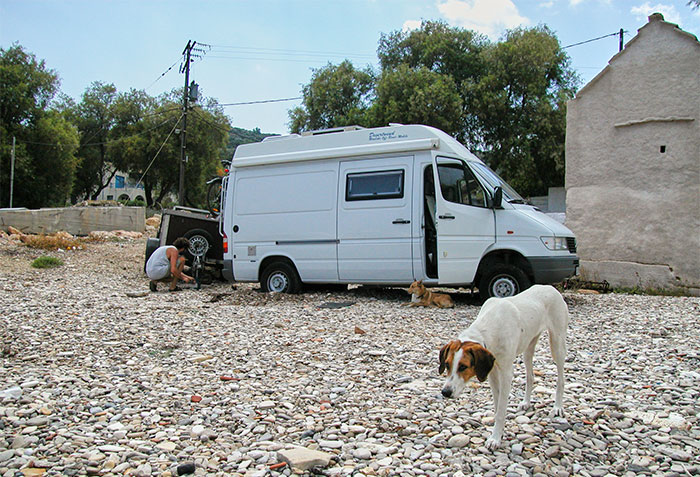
(303,459)
(166,446)
(460,440)
(187,468)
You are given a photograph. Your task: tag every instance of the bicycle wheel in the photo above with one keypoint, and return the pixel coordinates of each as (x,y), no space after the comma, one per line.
(214,198)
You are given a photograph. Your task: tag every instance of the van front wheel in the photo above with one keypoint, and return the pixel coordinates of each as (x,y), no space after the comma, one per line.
(502,281)
(280,277)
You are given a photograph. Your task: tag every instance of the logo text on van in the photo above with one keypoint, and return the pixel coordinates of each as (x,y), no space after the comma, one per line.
(383,136)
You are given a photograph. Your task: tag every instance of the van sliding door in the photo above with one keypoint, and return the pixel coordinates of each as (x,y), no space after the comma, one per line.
(375,220)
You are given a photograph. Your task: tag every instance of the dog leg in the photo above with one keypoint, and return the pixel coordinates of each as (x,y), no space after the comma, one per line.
(502,379)
(557,344)
(529,374)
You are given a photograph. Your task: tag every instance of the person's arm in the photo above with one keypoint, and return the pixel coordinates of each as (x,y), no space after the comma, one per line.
(173,255)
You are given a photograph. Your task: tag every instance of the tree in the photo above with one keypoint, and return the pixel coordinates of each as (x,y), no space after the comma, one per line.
(94,118)
(46,142)
(417,96)
(519,107)
(147,144)
(336,96)
(505,101)
(452,52)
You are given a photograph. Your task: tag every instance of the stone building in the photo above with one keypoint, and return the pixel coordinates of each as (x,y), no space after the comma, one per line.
(633,164)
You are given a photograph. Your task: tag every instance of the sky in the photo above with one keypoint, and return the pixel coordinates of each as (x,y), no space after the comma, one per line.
(261,50)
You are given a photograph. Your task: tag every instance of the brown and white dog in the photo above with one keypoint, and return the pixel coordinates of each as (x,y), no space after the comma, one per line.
(421,296)
(504,329)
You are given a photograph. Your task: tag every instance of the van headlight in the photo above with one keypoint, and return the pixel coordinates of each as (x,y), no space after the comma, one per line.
(555,243)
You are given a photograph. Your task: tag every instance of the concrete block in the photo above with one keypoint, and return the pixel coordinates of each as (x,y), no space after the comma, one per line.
(74,220)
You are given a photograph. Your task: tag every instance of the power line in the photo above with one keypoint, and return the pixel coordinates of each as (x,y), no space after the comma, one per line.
(214,125)
(160,149)
(282,51)
(262,101)
(163,74)
(617,33)
(98,143)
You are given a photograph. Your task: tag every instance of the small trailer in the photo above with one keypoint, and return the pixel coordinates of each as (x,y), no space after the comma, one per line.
(205,255)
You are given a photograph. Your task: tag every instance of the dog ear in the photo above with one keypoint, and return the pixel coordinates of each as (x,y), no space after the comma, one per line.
(443,357)
(443,354)
(483,362)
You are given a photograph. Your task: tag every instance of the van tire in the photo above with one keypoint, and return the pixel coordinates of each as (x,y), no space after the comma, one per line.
(502,281)
(280,277)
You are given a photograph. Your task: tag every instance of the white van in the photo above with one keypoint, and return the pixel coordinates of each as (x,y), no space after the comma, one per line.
(383,206)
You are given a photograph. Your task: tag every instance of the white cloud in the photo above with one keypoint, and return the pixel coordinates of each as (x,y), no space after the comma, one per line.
(409,25)
(574,3)
(548,4)
(669,12)
(489,17)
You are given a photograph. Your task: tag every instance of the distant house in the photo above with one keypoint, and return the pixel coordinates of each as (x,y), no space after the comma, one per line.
(633,163)
(122,188)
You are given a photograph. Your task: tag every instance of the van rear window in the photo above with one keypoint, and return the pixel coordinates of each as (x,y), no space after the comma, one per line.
(374,185)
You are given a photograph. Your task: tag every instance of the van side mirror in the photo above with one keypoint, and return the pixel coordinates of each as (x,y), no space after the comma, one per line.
(497,198)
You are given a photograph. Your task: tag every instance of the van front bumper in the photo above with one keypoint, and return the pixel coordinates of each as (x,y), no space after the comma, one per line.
(553,269)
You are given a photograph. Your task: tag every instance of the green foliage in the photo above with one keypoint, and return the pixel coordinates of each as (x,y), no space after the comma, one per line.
(47,262)
(520,109)
(417,96)
(45,160)
(506,101)
(94,118)
(336,96)
(238,136)
(146,142)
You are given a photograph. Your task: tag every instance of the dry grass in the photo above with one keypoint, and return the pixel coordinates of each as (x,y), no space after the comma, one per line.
(51,242)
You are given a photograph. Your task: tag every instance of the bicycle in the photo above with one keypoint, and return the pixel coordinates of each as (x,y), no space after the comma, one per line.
(214,190)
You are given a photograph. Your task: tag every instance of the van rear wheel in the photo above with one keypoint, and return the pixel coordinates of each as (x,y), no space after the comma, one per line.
(503,281)
(280,277)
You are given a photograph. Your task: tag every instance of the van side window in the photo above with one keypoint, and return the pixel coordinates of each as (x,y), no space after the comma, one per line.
(458,184)
(374,185)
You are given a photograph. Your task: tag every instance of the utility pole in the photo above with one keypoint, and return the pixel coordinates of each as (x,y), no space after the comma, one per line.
(12,171)
(183,135)
(622,41)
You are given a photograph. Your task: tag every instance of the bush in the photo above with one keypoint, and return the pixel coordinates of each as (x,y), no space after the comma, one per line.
(50,242)
(47,262)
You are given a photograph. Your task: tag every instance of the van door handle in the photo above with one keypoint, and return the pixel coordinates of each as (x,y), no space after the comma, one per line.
(401,221)
(446,217)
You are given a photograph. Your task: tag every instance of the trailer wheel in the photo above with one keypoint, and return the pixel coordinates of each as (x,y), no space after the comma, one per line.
(200,242)
(503,281)
(280,277)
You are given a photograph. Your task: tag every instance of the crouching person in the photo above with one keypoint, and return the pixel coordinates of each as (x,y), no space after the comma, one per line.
(166,265)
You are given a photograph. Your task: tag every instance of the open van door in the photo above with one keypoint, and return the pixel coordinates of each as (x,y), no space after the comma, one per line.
(465,223)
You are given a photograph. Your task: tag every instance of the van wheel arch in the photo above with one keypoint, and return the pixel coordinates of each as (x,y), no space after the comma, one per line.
(511,268)
(279,275)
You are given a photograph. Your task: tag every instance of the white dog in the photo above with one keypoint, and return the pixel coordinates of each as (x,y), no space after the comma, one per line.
(504,329)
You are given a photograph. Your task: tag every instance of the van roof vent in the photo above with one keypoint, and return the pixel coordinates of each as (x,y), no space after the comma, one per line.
(318,132)
(278,137)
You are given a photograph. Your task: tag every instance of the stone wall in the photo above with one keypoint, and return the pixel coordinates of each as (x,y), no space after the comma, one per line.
(633,164)
(74,220)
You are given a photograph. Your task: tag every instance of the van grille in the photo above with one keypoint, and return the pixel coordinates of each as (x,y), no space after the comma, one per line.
(571,244)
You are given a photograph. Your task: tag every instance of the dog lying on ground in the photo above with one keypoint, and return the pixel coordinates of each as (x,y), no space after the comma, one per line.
(504,329)
(421,296)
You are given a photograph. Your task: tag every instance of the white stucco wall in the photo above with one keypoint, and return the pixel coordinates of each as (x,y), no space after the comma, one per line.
(633,164)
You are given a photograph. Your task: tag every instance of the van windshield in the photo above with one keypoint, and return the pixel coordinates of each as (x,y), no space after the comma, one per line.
(493,180)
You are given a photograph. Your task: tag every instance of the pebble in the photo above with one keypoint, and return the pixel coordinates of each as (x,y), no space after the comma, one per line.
(97,382)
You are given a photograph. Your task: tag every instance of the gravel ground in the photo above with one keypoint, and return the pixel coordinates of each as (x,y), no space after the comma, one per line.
(94,381)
